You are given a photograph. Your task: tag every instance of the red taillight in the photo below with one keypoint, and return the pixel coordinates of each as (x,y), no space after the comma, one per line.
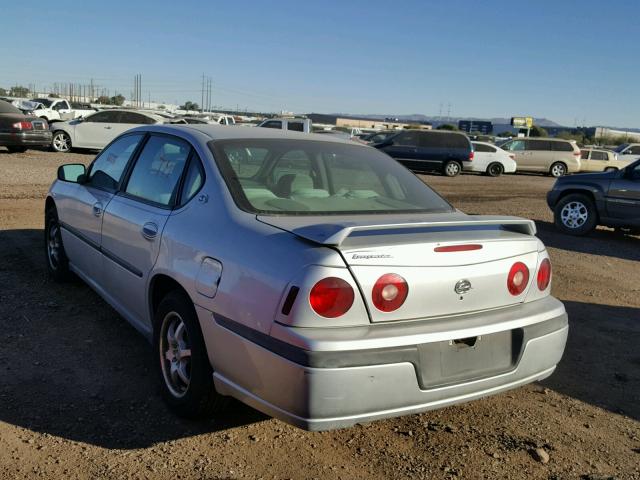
(22,126)
(471,155)
(389,292)
(512,156)
(544,274)
(577,154)
(518,278)
(458,248)
(331,297)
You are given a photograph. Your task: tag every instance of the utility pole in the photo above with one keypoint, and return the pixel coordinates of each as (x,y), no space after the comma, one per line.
(202,96)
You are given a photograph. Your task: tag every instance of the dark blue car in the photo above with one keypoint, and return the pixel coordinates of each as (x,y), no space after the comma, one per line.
(429,150)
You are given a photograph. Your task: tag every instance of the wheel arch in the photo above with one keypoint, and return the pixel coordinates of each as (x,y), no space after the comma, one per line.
(159,286)
(49,203)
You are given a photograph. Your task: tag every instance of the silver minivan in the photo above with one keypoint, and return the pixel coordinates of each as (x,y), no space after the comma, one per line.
(553,156)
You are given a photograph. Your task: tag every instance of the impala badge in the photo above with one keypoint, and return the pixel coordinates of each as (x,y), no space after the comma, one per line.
(462,287)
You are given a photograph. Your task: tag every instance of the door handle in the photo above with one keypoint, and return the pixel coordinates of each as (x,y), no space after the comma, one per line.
(107,128)
(149,230)
(97,209)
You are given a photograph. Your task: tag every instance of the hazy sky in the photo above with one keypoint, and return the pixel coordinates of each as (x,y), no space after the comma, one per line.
(565,60)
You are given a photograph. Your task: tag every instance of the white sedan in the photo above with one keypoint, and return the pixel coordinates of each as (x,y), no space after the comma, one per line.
(491,160)
(96,131)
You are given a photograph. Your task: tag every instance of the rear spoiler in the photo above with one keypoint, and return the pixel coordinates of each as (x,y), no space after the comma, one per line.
(335,235)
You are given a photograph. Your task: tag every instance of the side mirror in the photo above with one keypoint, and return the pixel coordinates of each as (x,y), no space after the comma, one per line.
(72,172)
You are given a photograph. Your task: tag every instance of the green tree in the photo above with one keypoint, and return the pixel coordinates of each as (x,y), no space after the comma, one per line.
(19,91)
(3,92)
(447,126)
(104,100)
(506,134)
(117,100)
(537,131)
(54,95)
(190,106)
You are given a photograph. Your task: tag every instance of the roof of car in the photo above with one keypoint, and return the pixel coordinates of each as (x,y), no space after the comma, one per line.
(224,132)
(155,116)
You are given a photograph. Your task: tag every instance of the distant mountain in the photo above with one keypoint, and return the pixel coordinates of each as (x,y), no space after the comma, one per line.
(420,118)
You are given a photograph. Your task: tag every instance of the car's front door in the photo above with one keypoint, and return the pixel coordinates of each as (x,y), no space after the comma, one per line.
(97,130)
(404,148)
(630,154)
(64,110)
(81,206)
(623,199)
(520,154)
(134,220)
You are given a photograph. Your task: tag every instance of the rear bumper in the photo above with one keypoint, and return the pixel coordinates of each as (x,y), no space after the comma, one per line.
(33,138)
(355,380)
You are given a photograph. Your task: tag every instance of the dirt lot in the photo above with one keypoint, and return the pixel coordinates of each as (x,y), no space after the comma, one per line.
(77,399)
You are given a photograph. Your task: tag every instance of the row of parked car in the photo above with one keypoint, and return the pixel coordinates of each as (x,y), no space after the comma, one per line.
(420,150)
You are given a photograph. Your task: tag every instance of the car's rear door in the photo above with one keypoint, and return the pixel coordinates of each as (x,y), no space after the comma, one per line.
(81,206)
(134,221)
(623,199)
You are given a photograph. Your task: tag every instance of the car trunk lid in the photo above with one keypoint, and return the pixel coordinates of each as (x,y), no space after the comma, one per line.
(453,264)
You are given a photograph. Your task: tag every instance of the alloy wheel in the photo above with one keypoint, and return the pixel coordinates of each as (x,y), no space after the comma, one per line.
(452,169)
(558,170)
(54,246)
(175,354)
(574,214)
(61,142)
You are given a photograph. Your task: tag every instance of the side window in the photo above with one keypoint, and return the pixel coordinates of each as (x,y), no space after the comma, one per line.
(193,180)
(136,119)
(584,154)
(157,171)
(538,145)
(107,169)
(599,156)
(409,139)
(480,147)
(635,150)
(516,146)
(563,147)
(273,124)
(295,126)
(103,117)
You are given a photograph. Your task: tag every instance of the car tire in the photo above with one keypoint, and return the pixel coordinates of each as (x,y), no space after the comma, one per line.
(575,214)
(56,257)
(495,169)
(186,379)
(16,149)
(452,168)
(61,142)
(558,169)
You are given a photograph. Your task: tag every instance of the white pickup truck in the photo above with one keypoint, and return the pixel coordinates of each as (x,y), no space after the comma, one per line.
(57,109)
(295,124)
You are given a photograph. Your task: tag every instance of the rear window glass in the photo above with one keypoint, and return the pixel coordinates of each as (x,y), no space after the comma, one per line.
(562,146)
(295,126)
(306,177)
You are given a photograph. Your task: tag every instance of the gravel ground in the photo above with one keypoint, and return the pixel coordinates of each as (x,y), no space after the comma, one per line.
(77,399)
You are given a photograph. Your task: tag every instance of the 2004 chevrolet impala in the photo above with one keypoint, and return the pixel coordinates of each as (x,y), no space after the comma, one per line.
(314,279)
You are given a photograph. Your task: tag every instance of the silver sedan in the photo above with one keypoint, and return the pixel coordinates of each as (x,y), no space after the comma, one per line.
(314,279)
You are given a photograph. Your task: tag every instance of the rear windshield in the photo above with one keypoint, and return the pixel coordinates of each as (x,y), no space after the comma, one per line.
(306,177)
(6,107)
